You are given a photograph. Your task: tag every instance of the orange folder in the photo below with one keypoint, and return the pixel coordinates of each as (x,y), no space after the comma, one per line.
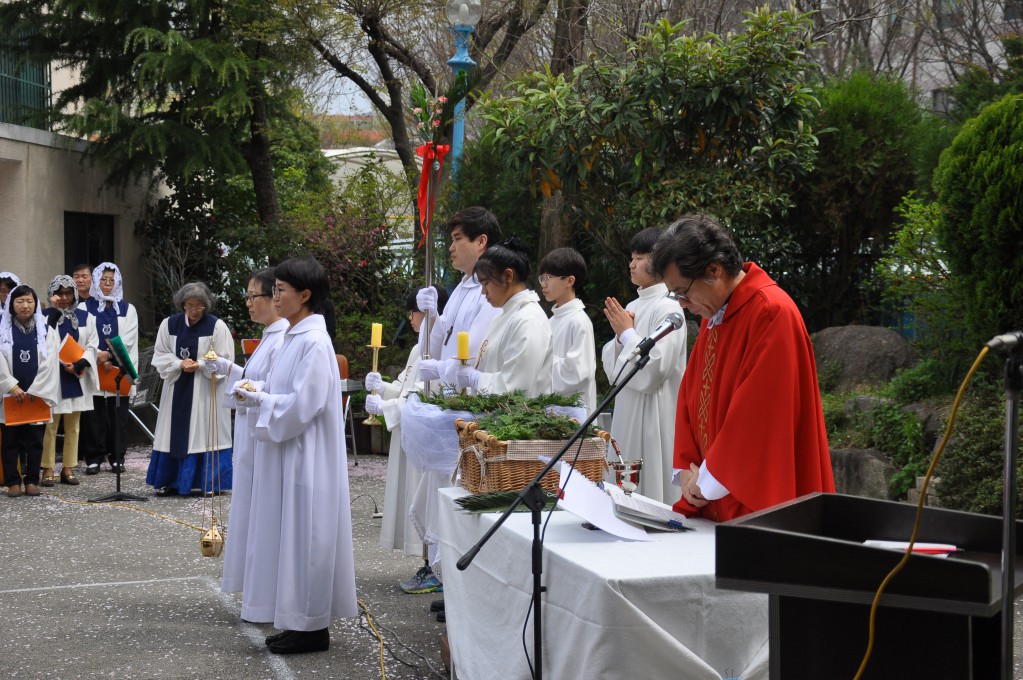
(70,351)
(107,381)
(30,411)
(249,346)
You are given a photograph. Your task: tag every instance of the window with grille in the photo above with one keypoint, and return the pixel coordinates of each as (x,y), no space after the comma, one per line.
(25,88)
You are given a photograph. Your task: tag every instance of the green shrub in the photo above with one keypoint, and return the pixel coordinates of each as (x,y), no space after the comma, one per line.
(981,222)
(901,437)
(972,466)
(916,383)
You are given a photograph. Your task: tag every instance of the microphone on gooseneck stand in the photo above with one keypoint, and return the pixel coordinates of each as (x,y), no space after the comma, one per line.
(1007,341)
(671,323)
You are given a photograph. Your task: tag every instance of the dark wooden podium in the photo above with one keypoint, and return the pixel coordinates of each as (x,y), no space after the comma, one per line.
(939,617)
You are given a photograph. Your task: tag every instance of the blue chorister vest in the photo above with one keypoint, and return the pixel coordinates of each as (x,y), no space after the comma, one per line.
(24,357)
(186,346)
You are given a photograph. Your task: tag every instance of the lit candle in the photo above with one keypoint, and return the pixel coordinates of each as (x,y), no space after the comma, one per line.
(377,336)
(463,345)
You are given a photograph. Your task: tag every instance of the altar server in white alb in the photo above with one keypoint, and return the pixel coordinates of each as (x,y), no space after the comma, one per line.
(301,535)
(237,571)
(397,531)
(193,423)
(516,353)
(562,276)
(644,412)
(28,366)
(472,231)
(114,317)
(78,379)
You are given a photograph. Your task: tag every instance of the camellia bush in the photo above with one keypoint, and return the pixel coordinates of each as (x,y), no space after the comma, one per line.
(981,226)
(350,230)
(680,123)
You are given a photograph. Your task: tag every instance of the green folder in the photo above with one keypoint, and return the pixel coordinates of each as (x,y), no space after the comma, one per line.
(121,352)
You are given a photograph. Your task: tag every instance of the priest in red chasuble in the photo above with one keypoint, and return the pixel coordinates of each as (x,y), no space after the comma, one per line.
(749,431)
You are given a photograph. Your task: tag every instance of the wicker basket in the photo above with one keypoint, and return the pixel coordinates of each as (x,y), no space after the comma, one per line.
(489,464)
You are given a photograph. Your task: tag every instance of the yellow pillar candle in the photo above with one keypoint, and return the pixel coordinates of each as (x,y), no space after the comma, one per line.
(463,345)
(377,336)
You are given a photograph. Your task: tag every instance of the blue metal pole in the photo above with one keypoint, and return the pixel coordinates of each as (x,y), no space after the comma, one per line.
(460,63)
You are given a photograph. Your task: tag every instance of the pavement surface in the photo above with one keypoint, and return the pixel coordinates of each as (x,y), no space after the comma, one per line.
(121,590)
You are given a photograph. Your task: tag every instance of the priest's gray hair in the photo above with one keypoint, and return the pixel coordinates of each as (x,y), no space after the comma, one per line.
(194,290)
(693,242)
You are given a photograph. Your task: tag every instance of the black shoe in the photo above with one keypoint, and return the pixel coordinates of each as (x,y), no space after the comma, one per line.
(117,467)
(92,469)
(437,605)
(302,642)
(277,637)
(441,617)
(167,492)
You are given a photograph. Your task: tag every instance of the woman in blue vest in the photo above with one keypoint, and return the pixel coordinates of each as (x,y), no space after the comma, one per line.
(105,430)
(193,430)
(27,367)
(78,380)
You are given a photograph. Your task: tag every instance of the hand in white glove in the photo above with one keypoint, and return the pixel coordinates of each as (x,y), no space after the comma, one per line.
(219,366)
(374,382)
(240,388)
(253,399)
(429,369)
(466,377)
(426,300)
(373,404)
(449,371)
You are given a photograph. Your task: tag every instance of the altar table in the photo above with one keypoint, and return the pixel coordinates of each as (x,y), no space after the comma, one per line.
(613,608)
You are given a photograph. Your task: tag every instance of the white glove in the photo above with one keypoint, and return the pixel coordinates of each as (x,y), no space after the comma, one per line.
(219,366)
(254,398)
(449,371)
(426,300)
(374,382)
(239,388)
(466,377)
(429,369)
(373,404)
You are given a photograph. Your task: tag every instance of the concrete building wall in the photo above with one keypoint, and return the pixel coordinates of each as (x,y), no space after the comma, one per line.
(42,176)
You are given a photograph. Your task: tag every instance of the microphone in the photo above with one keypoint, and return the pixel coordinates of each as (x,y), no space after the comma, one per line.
(1006,341)
(671,323)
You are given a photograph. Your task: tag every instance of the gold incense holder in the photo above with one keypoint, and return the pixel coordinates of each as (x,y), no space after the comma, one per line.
(212,542)
(372,420)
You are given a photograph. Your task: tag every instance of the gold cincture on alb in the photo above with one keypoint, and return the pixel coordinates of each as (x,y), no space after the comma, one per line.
(211,542)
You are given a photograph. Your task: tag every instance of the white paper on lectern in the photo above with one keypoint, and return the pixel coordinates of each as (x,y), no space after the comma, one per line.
(586,500)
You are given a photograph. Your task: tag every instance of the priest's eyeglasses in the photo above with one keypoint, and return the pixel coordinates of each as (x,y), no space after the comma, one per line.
(681,297)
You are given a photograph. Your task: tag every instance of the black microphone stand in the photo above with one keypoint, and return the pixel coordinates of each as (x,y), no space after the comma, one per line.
(532,496)
(1013,384)
(118,495)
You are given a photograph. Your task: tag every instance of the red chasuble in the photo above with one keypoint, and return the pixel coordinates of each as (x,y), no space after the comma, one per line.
(749,404)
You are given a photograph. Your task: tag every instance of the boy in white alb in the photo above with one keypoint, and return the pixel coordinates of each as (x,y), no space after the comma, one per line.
(472,231)
(562,275)
(644,412)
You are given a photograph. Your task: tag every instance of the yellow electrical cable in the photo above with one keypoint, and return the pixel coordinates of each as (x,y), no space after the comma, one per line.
(919,512)
(380,638)
(91,504)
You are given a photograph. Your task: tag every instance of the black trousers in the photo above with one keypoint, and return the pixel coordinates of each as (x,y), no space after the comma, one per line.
(105,430)
(21,443)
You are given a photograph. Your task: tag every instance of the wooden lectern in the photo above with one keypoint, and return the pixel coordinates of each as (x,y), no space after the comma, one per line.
(938,618)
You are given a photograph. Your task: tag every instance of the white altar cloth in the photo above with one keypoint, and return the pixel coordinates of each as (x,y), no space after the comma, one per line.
(613,608)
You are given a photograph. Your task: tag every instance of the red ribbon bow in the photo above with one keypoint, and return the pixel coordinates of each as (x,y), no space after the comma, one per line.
(425,201)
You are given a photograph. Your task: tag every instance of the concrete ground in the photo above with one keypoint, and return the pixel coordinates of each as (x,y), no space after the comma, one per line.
(121,590)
